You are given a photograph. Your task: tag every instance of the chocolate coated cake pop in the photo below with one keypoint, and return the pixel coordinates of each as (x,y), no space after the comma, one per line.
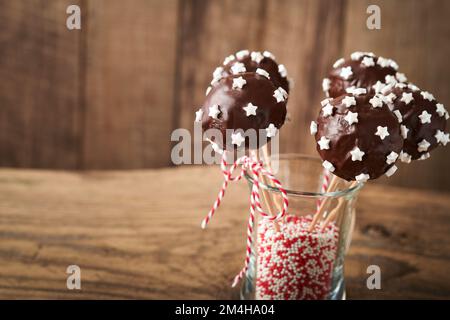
(241,102)
(357,136)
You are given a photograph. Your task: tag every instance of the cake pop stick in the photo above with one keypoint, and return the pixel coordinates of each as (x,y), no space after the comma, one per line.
(331,188)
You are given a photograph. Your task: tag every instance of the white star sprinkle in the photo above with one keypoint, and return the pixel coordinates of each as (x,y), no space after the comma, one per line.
(401,77)
(368,62)
(242,54)
(271,130)
(256,56)
(313,128)
(389,99)
(228,59)
(378,86)
(250,109)
(400,85)
(346,72)
(442,137)
(324,102)
(263,73)
(425,117)
(279,95)
(282,70)
(440,109)
(389,79)
(269,54)
(237,68)
(327,110)
(328,165)
(423,145)
(238,83)
(326,84)
(404,157)
(383,62)
(388,87)
(356,55)
(413,87)
(362,177)
(351,117)
(218,72)
(198,115)
(407,98)
(398,114)
(357,154)
(427,96)
(391,171)
(404,131)
(393,64)
(376,102)
(425,156)
(338,63)
(382,132)
(214,81)
(208,90)
(324,143)
(237,138)
(349,101)
(391,157)
(214,111)
(359,91)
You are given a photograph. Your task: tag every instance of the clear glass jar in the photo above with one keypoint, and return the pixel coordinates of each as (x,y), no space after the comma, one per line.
(288,261)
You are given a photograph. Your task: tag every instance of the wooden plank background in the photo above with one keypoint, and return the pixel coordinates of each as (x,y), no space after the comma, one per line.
(109,95)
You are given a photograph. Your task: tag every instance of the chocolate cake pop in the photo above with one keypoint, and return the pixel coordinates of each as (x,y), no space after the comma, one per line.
(247,61)
(423,121)
(241,102)
(357,136)
(362,70)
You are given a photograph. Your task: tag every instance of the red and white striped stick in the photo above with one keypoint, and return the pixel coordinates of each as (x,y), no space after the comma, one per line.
(258,171)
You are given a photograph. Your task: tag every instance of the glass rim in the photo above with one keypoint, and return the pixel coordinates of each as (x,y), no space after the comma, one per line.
(309,194)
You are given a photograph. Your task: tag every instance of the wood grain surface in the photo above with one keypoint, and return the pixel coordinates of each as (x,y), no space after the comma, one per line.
(137,235)
(109,95)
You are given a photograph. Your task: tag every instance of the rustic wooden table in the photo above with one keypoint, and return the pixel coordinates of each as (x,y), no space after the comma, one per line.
(137,234)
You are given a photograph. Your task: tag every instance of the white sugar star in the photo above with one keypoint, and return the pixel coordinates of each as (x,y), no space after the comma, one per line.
(208,90)
(271,130)
(389,99)
(282,70)
(368,62)
(404,131)
(256,56)
(237,68)
(413,87)
(242,54)
(346,72)
(400,85)
(425,156)
(238,83)
(228,59)
(250,109)
(442,137)
(393,64)
(382,132)
(391,171)
(328,165)
(327,110)
(427,96)
(362,177)
(313,128)
(425,117)
(407,97)
(324,143)
(263,73)
(356,55)
(440,109)
(423,145)
(390,79)
(349,101)
(269,54)
(338,63)
(218,72)
(357,154)
(376,102)
(398,114)
(401,77)
(391,157)
(351,117)
(326,84)
(324,102)
(198,115)
(405,157)
(359,91)
(383,62)
(237,138)
(214,111)
(388,87)
(279,95)
(378,86)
